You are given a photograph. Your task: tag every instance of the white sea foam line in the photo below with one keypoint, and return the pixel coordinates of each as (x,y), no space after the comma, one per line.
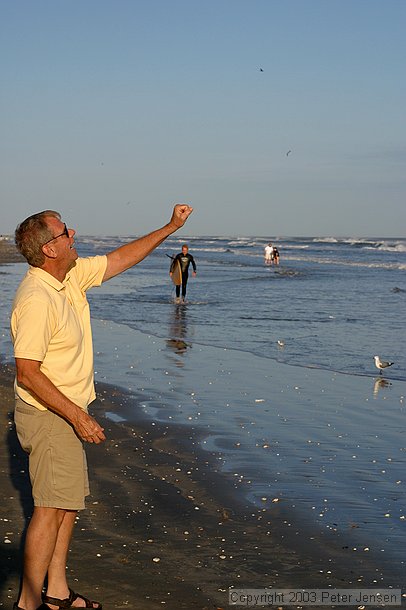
(332,261)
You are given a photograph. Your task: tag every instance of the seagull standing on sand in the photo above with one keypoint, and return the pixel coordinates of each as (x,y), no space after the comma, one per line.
(381,364)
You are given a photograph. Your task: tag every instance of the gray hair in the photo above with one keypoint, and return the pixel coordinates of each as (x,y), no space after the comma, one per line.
(31,234)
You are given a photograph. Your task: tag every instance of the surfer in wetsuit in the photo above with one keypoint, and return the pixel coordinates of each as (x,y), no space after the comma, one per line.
(185,259)
(275,256)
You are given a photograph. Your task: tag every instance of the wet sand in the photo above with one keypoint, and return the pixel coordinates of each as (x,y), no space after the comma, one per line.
(165,528)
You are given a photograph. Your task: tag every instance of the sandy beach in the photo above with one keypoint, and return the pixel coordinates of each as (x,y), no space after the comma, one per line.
(161,528)
(165,527)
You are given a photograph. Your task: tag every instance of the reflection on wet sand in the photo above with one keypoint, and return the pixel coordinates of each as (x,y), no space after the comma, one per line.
(379,384)
(178,332)
(178,345)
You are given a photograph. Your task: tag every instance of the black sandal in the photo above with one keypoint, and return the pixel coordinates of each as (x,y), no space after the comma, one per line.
(68,602)
(41,607)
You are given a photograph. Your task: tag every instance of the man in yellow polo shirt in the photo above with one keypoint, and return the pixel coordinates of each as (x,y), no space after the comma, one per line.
(51,332)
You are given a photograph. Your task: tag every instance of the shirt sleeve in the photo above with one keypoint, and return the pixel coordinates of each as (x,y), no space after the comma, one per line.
(31,340)
(90,271)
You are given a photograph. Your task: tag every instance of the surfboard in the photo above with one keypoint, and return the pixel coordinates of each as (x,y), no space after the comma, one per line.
(177,274)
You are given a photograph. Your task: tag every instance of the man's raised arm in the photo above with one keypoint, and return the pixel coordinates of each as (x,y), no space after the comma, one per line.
(127,256)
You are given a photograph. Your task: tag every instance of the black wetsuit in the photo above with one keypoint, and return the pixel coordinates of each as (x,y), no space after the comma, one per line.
(185,260)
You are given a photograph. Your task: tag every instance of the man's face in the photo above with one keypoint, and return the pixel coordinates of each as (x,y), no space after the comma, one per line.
(185,250)
(63,246)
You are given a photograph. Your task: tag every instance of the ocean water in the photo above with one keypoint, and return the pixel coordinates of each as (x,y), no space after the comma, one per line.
(334,303)
(274,365)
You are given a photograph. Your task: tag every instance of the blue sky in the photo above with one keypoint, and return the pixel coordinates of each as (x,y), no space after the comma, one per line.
(114,110)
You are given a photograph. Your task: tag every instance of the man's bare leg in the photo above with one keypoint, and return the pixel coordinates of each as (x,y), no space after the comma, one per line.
(42,535)
(57,585)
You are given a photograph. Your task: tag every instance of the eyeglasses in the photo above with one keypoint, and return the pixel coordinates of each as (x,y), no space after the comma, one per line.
(65,232)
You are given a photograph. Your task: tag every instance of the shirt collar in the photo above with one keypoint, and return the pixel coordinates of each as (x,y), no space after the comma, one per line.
(49,279)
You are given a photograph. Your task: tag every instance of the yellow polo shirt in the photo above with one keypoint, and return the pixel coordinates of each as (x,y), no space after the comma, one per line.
(50,323)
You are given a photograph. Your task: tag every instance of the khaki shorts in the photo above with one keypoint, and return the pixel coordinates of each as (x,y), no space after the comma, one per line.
(57,461)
